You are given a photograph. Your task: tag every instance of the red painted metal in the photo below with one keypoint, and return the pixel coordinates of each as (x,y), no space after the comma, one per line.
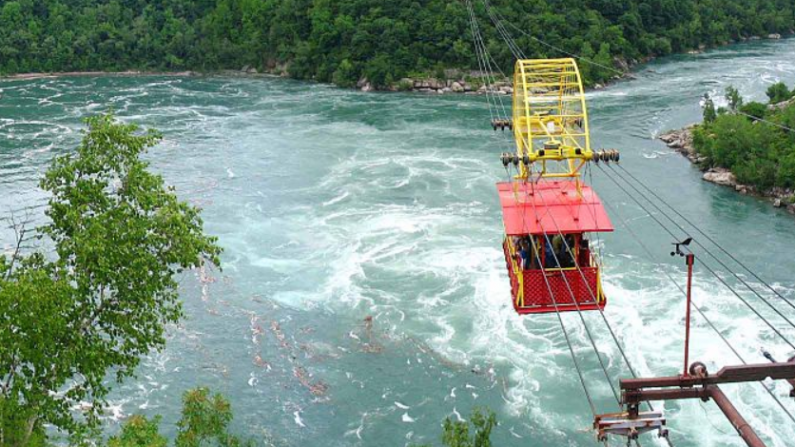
(551,207)
(690,260)
(743,428)
(537,297)
(699,384)
(729,374)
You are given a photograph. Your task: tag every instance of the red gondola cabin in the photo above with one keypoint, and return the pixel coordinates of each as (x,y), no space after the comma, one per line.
(552,219)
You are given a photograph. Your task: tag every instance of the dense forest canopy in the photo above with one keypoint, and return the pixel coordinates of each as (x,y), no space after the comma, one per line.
(341,41)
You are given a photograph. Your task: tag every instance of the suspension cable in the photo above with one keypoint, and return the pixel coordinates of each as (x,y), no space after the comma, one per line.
(480,43)
(563,327)
(517,52)
(748,286)
(479,56)
(593,296)
(726,252)
(571,292)
(789,129)
(703,263)
(709,322)
(501,19)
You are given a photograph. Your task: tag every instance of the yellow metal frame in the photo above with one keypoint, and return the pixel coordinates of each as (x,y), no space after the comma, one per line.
(550,119)
(517,271)
(550,126)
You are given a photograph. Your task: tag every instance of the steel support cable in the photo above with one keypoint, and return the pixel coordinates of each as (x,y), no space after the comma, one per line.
(482,53)
(574,298)
(568,341)
(563,328)
(592,293)
(773,328)
(487,65)
(482,56)
(601,312)
(789,129)
(481,65)
(709,322)
(549,45)
(723,250)
(557,313)
(748,286)
(506,36)
(517,52)
(484,64)
(487,59)
(579,311)
(610,328)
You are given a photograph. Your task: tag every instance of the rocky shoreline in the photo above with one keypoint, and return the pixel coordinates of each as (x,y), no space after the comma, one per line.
(682,141)
(72,74)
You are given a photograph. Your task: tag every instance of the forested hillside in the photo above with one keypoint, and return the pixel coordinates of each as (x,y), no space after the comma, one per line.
(342,40)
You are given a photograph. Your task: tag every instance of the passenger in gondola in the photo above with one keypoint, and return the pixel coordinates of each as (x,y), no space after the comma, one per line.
(585,253)
(527,253)
(551,251)
(517,243)
(567,252)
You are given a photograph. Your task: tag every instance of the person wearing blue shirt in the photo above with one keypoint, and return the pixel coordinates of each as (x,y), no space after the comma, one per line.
(528,256)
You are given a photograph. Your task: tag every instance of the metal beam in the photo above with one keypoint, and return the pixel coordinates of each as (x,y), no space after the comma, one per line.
(696,383)
(729,374)
(743,429)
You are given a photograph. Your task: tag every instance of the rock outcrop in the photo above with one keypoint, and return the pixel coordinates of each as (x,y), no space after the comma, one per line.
(720,176)
(682,141)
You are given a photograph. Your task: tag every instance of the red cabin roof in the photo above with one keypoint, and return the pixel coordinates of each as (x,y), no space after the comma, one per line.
(551,207)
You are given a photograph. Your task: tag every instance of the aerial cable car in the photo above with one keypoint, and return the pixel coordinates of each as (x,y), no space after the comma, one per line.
(548,212)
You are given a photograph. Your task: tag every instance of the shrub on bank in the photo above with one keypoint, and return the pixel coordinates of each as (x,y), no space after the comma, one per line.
(754,144)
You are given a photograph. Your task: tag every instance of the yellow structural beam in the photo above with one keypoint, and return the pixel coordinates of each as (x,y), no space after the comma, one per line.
(550,119)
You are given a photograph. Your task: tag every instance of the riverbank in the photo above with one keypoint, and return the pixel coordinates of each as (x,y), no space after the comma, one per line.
(454,80)
(682,141)
(68,74)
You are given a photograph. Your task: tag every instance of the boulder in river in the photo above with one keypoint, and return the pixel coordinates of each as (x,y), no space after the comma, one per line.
(456,87)
(774,36)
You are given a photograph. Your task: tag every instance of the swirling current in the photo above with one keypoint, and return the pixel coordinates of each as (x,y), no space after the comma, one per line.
(363,296)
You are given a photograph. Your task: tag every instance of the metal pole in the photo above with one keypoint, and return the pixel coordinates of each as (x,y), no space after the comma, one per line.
(690,259)
(743,429)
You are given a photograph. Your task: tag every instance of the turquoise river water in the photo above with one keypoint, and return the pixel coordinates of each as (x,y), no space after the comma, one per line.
(334,205)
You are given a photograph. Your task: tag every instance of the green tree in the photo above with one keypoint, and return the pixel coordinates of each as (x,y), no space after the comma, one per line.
(733,97)
(345,75)
(205,422)
(102,301)
(709,110)
(457,434)
(778,92)
(138,431)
